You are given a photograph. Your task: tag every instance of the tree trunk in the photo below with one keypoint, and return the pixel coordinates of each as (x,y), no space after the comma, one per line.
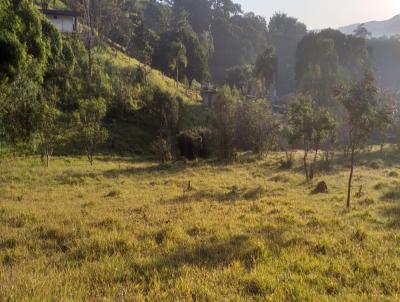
(90,63)
(350,177)
(47,159)
(346,151)
(306,166)
(312,170)
(177,75)
(89,153)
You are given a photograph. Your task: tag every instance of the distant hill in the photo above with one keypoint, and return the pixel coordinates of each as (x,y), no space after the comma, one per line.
(387,28)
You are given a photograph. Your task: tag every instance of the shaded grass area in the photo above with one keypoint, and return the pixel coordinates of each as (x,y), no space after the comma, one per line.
(131,230)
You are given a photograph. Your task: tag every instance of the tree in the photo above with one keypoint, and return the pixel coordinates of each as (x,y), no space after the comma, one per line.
(240,77)
(162,113)
(361,32)
(309,128)
(238,40)
(387,111)
(266,68)
(177,58)
(263,127)
(180,32)
(224,122)
(49,130)
(19,104)
(363,117)
(324,127)
(285,33)
(327,59)
(89,121)
(301,125)
(23,39)
(199,11)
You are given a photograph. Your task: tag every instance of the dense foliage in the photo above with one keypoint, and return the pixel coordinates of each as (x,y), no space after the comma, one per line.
(45,76)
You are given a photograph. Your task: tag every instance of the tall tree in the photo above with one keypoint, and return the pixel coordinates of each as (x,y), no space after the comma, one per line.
(309,127)
(224,110)
(363,117)
(266,68)
(285,33)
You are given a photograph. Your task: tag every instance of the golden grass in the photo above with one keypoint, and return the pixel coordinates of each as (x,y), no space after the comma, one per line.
(126,230)
(155,78)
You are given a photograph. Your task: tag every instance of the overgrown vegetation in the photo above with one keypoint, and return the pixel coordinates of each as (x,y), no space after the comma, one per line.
(183,191)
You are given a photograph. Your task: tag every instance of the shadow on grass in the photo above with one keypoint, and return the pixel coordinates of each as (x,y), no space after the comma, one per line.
(393,213)
(214,253)
(233,194)
(201,196)
(377,159)
(170,169)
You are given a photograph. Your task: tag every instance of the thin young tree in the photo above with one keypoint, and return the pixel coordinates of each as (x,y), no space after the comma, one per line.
(363,117)
(300,121)
(49,129)
(323,132)
(89,121)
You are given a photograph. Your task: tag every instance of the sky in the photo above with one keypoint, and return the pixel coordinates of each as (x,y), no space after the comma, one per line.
(319,14)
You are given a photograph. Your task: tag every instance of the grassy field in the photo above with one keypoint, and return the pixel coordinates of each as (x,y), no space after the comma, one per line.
(128,230)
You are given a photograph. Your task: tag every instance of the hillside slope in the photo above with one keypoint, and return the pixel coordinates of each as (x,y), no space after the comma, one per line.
(387,28)
(155,78)
(135,133)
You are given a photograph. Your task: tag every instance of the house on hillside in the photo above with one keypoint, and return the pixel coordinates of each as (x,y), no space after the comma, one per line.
(65,21)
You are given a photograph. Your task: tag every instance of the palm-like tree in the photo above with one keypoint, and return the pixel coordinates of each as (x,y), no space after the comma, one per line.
(177,58)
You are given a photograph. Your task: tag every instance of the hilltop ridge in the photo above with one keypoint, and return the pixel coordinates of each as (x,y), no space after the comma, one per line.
(389,28)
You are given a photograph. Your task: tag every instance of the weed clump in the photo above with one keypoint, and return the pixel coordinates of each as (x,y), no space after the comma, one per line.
(10,258)
(359,236)
(256,287)
(376,164)
(286,164)
(381,185)
(254,194)
(96,249)
(20,220)
(9,243)
(280,178)
(321,188)
(108,224)
(366,202)
(113,193)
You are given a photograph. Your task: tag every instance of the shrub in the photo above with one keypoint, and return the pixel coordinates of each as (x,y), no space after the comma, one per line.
(376,164)
(195,143)
(286,164)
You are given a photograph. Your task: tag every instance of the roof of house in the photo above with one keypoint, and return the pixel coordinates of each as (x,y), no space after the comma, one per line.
(60,12)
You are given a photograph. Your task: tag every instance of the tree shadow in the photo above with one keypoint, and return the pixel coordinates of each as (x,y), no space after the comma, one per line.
(216,254)
(74,177)
(393,213)
(201,196)
(387,158)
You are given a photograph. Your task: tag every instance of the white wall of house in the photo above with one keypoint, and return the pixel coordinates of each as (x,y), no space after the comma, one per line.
(64,24)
